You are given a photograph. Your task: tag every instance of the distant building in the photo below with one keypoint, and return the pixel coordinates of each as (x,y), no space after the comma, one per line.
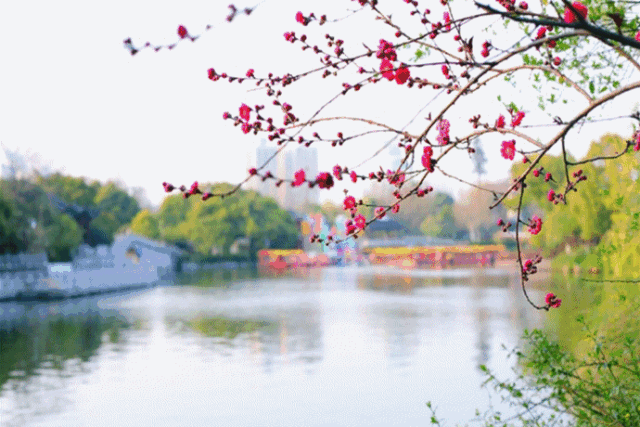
(284,165)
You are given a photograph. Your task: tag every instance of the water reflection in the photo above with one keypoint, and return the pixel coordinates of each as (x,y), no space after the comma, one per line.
(42,345)
(339,346)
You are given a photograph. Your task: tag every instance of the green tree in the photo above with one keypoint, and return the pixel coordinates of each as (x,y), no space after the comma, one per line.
(63,235)
(146,224)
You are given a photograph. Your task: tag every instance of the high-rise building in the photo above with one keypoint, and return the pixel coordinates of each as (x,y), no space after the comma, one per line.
(305,158)
(284,165)
(267,156)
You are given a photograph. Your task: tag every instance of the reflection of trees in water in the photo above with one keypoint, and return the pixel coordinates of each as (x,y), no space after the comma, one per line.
(279,336)
(207,277)
(41,345)
(406,283)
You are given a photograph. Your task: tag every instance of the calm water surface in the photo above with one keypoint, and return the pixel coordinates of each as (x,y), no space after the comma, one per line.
(335,347)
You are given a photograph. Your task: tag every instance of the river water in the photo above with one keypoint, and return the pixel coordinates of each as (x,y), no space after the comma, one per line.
(355,346)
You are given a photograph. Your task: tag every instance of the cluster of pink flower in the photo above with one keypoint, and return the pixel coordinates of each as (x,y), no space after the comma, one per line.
(387,53)
(443,132)
(447,21)
(508,4)
(427,158)
(395,178)
(421,192)
(554,197)
(358,223)
(500,122)
(535,225)
(505,226)
(299,178)
(187,193)
(517,119)
(324,180)
(552,301)
(508,149)
(349,203)
(485,49)
(570,17)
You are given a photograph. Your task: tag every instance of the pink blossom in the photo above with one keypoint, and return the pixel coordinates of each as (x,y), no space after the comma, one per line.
(182,32)
(337,172)
(552,301)
(349,203)
(570,17)
(402,75)
(245,112)
(386,68)
(379,212)
(517,119)
(353,176)
(443,132)
(301,19)
(551,195)
(500,122)
(508,150)
(299,178)
(535,226)
(360,221)
(324,180)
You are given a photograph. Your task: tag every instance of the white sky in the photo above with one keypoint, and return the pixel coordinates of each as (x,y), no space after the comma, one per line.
(71,94)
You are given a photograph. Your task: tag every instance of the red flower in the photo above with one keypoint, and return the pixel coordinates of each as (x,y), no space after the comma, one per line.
(354,176)
(535,226)
(168,187)
(182,31)
(337,172)
(508,150)
(402,75)
(245,112)
(360,221)
(552,301)
(301,19)
(386,68)
(395,208)
(350,228)
(299,178)
(443,132)
(324,180)
(517,119)
(570,17)
(500,122)
(386,50)
(379,211)
(194,188)
(551,195)
(638,36)
(253,171)
(250,72)
(557,61)
(246,128)
(349,203)
(542,31)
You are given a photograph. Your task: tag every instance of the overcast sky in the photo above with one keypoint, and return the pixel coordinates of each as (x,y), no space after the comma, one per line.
(72,95)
